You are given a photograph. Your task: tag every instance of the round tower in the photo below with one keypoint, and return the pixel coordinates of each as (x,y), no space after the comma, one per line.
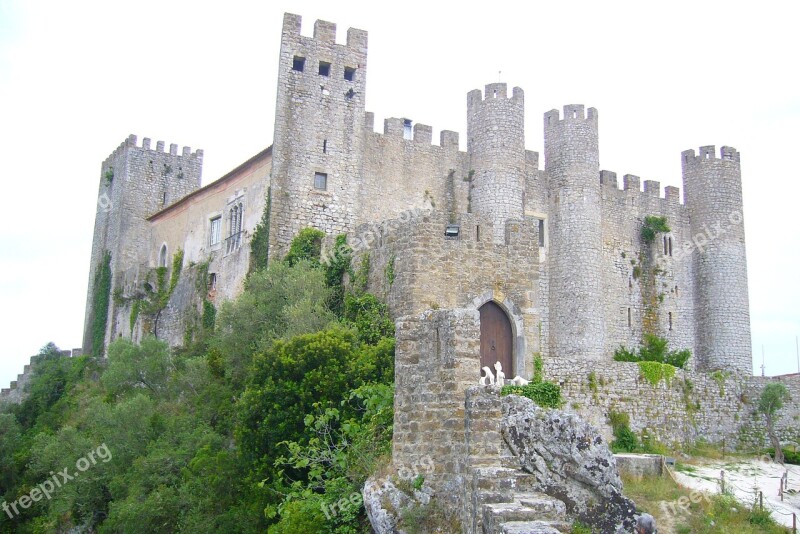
(577,326)
(496,145)
(713,189)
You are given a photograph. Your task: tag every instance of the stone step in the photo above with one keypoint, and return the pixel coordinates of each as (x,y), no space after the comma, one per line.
(533,527)
(526,508)
(549,507)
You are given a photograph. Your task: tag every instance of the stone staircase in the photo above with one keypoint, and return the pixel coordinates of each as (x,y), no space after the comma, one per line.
(502,498)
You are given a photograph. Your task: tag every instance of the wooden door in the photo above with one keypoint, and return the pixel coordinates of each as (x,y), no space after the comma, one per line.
(496,338)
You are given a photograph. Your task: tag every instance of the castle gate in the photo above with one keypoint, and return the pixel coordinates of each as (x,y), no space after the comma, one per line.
(497,343)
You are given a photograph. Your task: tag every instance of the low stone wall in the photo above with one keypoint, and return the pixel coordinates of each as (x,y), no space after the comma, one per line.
(718,408)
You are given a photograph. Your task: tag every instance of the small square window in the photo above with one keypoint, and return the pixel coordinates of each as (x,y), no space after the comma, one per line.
(216,230)
(349,74)
(299,63)
(324,68)
(320,181)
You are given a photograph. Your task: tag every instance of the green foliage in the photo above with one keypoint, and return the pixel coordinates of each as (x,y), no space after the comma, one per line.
(339,457)
(719,377)
(772,399)
(279,302)
(259,244)
(209,315)
(108,176)
(654,349)
(389,270)
(369,316)
(193,450)
(654,372)
(545,394)
(362,275)
(297,376)
(624,438)
(135,308)
(538,368)
(592,382)
(580,528)
(307,245)
(790,456)
(337,266)
(653,226)
(101,298)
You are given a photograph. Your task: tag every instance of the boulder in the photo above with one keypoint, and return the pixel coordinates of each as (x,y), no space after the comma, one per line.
(570,461)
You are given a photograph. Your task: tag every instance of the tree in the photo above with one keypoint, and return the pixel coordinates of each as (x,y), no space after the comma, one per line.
(772,398)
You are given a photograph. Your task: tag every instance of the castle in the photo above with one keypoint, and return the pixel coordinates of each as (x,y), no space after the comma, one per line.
(482,256)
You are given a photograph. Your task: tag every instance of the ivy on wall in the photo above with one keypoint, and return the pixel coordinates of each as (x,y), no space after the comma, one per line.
(259,244)
(101,298)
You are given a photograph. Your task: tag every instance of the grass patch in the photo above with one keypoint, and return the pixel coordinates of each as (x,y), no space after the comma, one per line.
(695,512)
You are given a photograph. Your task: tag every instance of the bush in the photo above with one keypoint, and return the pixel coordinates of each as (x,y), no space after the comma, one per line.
(307,245)
(654,349)
(624,438)
(545,394)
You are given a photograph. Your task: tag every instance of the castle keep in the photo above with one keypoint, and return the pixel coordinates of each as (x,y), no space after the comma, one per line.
(496,254)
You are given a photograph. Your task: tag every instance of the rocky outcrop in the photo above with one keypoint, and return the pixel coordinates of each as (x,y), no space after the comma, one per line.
(386,504)
(570,461)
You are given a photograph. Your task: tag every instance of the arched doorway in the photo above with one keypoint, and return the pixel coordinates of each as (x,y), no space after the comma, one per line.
(497,338)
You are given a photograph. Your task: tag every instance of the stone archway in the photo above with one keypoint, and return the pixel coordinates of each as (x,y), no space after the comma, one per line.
(497,338)
(519,365)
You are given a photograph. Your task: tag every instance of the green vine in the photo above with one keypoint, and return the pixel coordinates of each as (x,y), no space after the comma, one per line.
(108,176)
(101,299)
(362,274)
(538,368)
(389,270)
(720,377)
(135,308)
(653,226)
(654,372)
(306,245)
(337,266)
(259,244)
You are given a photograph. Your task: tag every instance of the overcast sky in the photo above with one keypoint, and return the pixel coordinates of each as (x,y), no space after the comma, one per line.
(77,77)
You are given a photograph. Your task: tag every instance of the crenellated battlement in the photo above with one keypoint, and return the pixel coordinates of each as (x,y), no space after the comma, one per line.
(572,113)
(726,153)
(492,93)
(632,184)
(324,32)
(131,142)
(394,127)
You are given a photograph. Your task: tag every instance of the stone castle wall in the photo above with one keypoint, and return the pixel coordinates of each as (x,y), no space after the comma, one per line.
(433,271)
(695,405)
(135,182)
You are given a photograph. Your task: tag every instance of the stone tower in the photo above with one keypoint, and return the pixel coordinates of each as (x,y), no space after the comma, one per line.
(576,298)
(713,189)
(135,182)
(496,146)
(319,131)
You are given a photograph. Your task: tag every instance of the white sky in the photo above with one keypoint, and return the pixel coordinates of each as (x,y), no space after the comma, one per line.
(77,77)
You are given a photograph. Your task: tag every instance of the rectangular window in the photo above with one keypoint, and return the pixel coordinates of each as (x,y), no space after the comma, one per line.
(324,68)
(320,181)
(212,281)
(541,232)
(349,74)
(216,230)
(299,63)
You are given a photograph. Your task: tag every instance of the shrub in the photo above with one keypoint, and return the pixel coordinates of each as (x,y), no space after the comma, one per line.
(545,394)
(654,349)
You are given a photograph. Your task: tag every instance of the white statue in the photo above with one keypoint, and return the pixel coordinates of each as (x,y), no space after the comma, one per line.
(519,381)
(501,376)
(488,376)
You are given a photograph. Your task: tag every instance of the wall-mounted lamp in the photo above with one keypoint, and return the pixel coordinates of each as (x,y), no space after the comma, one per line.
(451,230)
